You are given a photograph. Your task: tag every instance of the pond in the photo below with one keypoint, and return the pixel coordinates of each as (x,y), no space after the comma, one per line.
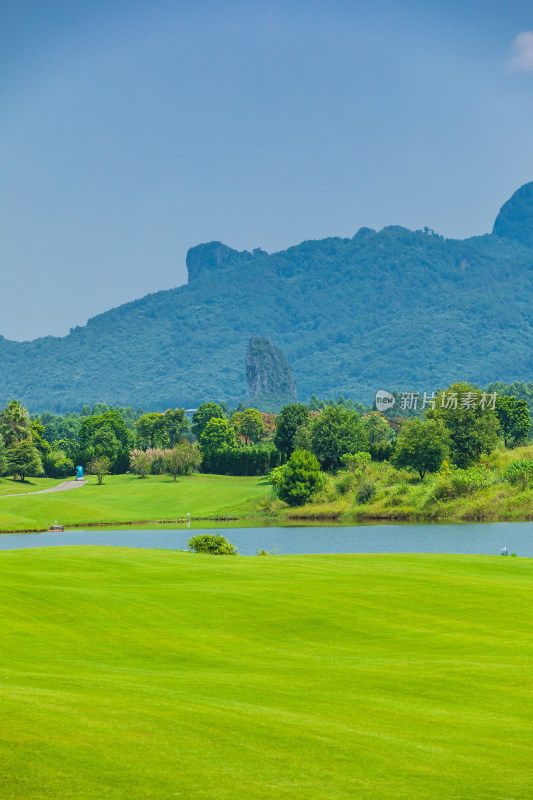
(476,538)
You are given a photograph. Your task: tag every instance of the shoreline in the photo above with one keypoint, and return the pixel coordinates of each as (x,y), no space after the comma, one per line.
(286,519)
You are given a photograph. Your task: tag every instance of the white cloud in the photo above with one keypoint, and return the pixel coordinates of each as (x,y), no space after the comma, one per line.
(522,52)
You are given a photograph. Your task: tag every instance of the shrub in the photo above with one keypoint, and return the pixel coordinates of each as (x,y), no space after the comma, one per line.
(274,476)
(381,451)
(300,478)
(394,500)
(460,482)
(140,462)
(520,473)
(353,461)
(344,482)
(99,466)
(158,458)
(366,492)
(250,460)
(57,465)
(215,545)
(398,495)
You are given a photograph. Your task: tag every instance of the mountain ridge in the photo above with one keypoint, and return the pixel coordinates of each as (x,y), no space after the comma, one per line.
(394,308)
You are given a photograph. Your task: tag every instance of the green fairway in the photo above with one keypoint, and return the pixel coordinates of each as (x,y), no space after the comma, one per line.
(155,674)
(125,498)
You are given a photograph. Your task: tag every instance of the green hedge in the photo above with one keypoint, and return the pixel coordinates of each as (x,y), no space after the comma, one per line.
(250,460)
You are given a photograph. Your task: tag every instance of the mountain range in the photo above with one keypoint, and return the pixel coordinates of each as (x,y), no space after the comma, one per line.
(394,309)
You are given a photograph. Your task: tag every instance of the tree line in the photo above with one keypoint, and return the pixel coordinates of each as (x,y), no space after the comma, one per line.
(245,441)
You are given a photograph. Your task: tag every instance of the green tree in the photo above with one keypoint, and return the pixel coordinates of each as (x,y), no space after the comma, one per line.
(3,460)
(217,435)
(38,435)
(302,438)
(176,424)
(14,423)
(422,445)
(105,443)
(334,433)
(377,428)
(473,429)
(203,414)
(152,430)
(513,416)
(105,434)
(289,420)
(249,424)
(23,459)
(299,479)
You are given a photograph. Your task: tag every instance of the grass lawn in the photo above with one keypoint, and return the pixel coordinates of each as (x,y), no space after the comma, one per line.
(154,674)
(9,486)
(126,498)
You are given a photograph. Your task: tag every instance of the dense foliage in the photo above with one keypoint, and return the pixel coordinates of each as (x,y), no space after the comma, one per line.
(291,418)
(473,429)
(253,460)
(460,425)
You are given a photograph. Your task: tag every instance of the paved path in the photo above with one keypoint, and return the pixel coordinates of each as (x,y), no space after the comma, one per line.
(61,488)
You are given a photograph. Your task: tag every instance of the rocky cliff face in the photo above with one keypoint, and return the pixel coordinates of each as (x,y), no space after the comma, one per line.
(269,375)
(211,255)
(515,220)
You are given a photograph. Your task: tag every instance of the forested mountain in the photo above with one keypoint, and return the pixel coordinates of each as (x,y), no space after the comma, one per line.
(390,309)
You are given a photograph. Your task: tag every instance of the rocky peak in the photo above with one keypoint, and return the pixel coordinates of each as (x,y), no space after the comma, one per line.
(208,256)
(515,220)
(268,373)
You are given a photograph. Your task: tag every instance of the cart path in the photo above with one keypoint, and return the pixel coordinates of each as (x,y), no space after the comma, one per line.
(62,487)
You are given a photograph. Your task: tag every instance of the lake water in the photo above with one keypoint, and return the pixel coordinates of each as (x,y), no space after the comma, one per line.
(477,538)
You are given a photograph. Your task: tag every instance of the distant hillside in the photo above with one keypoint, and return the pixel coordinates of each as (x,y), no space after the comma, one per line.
(397,308)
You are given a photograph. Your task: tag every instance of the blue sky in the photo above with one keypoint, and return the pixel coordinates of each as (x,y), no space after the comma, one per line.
(133,130)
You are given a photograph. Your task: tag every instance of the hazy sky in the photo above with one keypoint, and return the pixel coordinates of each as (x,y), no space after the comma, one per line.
(131,130)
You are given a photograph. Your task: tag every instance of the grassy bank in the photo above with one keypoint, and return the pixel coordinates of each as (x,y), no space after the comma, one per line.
(125,498)
(148,674)
(396,495)
(381,492)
